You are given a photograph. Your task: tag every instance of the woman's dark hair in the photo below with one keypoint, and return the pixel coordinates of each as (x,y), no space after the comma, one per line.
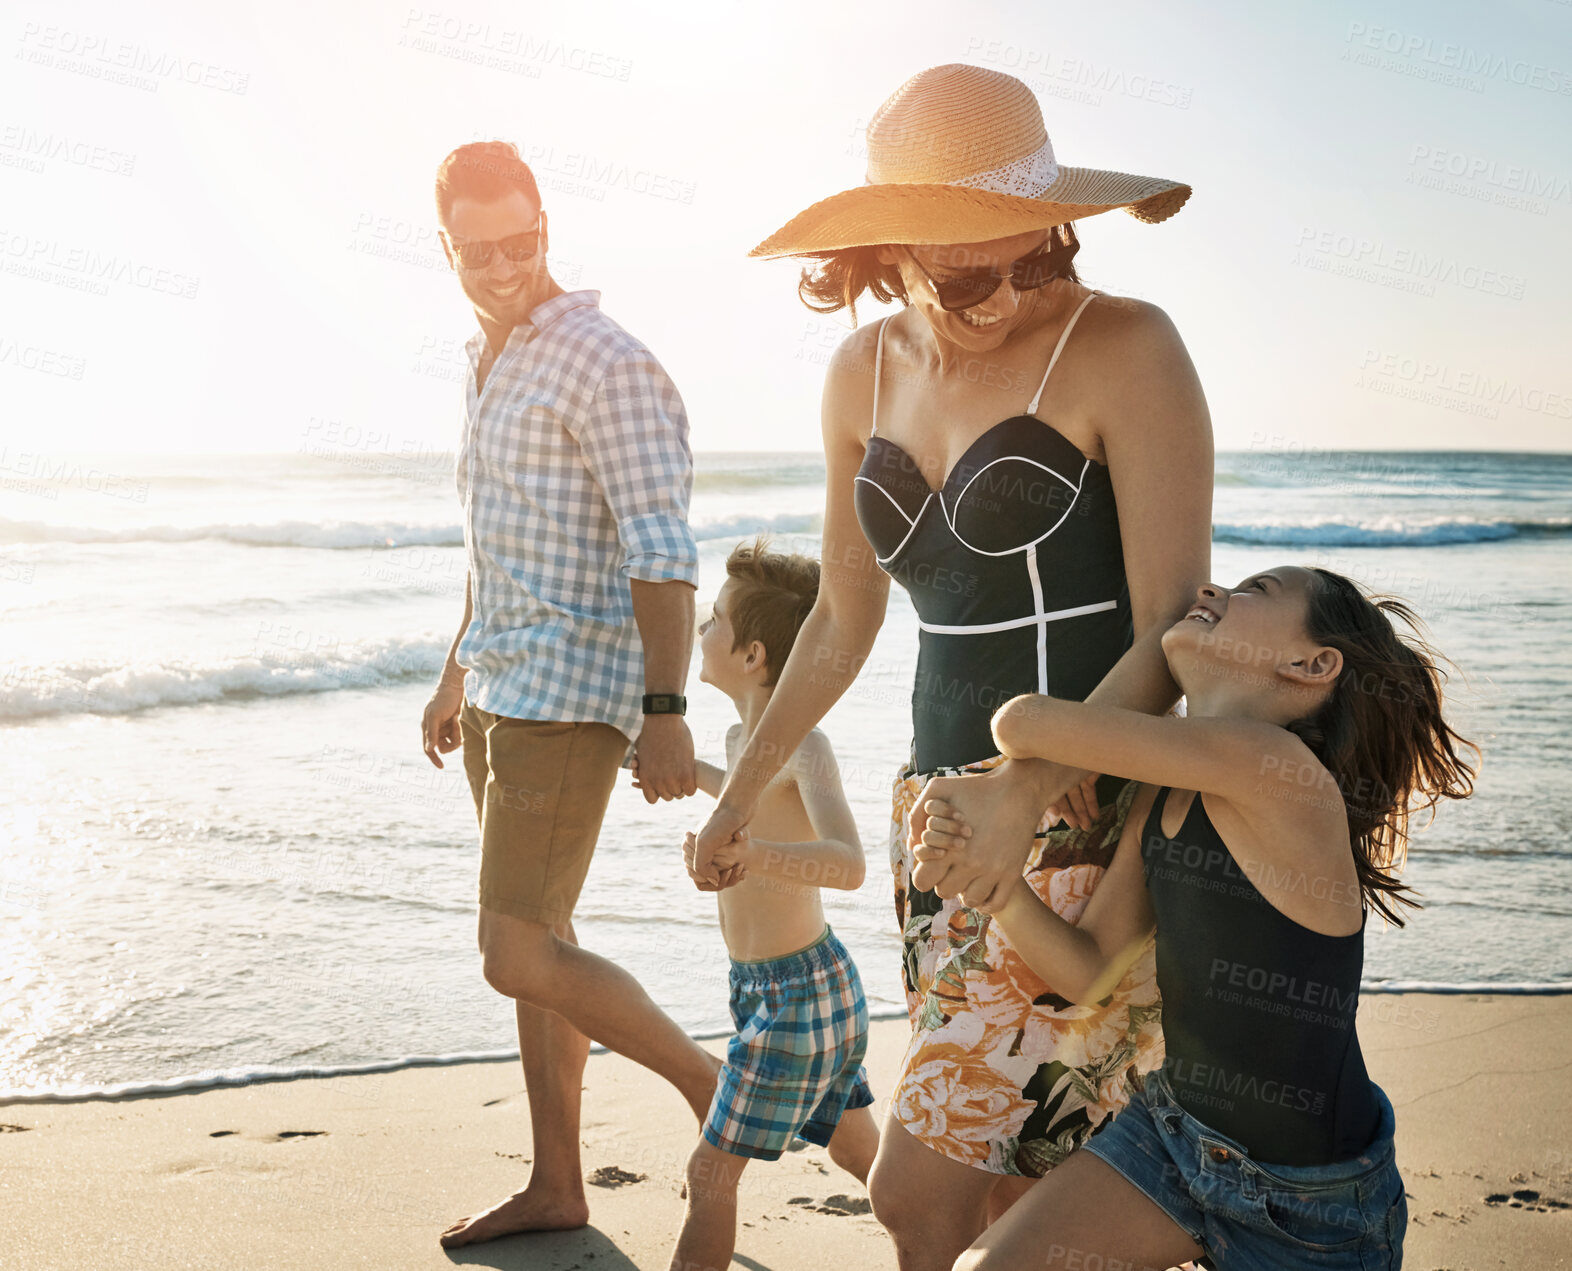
(1380,733)
(837,280)
(483,170)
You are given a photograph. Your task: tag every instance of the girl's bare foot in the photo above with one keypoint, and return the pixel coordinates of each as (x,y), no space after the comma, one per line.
(527,1210)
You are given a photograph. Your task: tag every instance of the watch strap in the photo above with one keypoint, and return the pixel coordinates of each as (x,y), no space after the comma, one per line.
(665,704)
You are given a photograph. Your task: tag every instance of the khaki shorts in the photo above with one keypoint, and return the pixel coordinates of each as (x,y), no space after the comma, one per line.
(541,789)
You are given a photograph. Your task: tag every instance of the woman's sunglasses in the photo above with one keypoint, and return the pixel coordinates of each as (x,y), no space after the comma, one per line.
(1036,269)
(516,247)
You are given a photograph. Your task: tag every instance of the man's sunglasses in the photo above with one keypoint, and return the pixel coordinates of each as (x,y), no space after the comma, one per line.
(1036,269)
(479,253)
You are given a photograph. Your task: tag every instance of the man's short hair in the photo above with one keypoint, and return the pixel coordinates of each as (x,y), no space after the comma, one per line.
(773,596)
(483,170)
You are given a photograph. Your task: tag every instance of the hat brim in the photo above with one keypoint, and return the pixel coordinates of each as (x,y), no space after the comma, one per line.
(891,213)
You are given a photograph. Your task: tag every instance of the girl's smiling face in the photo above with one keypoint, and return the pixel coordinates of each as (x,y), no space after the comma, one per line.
(1252,636)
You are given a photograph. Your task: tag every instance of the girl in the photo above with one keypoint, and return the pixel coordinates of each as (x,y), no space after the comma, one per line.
(1273,819)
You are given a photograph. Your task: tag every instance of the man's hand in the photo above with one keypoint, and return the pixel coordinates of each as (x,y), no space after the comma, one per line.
(664,754)
(1000,811)
(439,724)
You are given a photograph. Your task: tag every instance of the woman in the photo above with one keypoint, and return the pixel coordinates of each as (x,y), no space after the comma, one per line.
(1040,556)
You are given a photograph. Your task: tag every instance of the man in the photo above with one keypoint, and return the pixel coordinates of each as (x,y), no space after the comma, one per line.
(575,475)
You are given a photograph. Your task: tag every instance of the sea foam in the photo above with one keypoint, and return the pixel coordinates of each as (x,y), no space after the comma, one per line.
(90,688)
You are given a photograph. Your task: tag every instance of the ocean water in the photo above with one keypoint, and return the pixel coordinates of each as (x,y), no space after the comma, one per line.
(223,853)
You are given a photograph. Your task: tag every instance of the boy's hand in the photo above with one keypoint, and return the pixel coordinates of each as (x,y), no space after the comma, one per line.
(633,765)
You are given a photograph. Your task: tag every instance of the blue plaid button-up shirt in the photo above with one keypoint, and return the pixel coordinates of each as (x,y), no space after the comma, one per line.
(575,476)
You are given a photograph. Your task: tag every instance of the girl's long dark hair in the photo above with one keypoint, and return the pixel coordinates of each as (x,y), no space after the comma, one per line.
(1381,733)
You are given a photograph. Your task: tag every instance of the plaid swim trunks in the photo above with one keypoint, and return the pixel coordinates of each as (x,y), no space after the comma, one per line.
(795,1064)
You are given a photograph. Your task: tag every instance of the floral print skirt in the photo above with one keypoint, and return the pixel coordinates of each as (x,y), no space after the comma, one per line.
(1002,1073)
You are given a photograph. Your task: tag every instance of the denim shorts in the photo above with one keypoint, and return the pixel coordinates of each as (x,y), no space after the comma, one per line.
(1247,1216)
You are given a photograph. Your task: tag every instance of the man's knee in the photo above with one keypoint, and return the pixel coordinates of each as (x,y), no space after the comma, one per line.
(517,957)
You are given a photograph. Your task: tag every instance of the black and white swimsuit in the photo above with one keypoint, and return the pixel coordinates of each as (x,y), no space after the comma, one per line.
(1014,565)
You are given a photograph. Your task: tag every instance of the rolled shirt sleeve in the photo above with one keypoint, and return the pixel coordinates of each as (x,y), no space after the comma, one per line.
(634,438)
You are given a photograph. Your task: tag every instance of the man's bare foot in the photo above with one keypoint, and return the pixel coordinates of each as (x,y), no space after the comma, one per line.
(523,1211)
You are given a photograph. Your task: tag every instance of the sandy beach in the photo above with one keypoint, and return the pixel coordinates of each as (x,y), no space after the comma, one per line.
(364,1171)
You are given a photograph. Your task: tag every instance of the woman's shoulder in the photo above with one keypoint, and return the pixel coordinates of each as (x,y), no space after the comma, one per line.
(849,378)
(1130,320)
(855,355)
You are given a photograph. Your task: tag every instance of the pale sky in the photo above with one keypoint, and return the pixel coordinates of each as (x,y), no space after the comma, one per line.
(1375,255)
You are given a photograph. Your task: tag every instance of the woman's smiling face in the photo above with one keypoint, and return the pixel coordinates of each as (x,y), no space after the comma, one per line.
(985,326)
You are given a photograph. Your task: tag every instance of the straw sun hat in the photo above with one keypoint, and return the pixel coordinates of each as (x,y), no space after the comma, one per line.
(959,154)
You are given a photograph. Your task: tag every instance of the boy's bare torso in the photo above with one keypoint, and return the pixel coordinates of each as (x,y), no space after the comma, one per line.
(771,915)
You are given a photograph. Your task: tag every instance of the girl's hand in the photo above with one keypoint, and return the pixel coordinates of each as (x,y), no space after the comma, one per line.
(1077,807)
(633,765)
(945,830)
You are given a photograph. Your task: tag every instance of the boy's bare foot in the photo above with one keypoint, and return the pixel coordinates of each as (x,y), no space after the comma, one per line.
(523,1211)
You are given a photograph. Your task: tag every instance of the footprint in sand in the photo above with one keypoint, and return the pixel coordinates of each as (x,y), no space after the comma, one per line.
(14,1129)
(613,1176)
(1525,1198)
(840,1206)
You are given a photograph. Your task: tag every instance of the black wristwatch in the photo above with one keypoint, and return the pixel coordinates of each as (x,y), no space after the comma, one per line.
(665,704)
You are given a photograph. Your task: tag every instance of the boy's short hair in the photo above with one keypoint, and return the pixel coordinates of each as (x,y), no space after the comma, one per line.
(774,593)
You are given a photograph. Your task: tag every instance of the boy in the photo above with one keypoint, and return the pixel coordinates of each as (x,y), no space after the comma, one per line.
(794,1069)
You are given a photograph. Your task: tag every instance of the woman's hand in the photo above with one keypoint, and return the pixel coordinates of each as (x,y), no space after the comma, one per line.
(727,825)
(1077,807)
(946,832)
(730,869)
(1001,809)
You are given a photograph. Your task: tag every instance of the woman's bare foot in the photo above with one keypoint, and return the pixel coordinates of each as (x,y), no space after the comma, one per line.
(523,1211)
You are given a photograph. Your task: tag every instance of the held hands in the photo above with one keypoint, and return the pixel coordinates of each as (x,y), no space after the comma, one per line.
(728,867)
(718,838)
(986,823)
(945,833)
(663,759)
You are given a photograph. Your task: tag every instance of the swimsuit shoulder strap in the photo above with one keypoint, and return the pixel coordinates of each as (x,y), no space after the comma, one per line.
(878,367)
(1058,349)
